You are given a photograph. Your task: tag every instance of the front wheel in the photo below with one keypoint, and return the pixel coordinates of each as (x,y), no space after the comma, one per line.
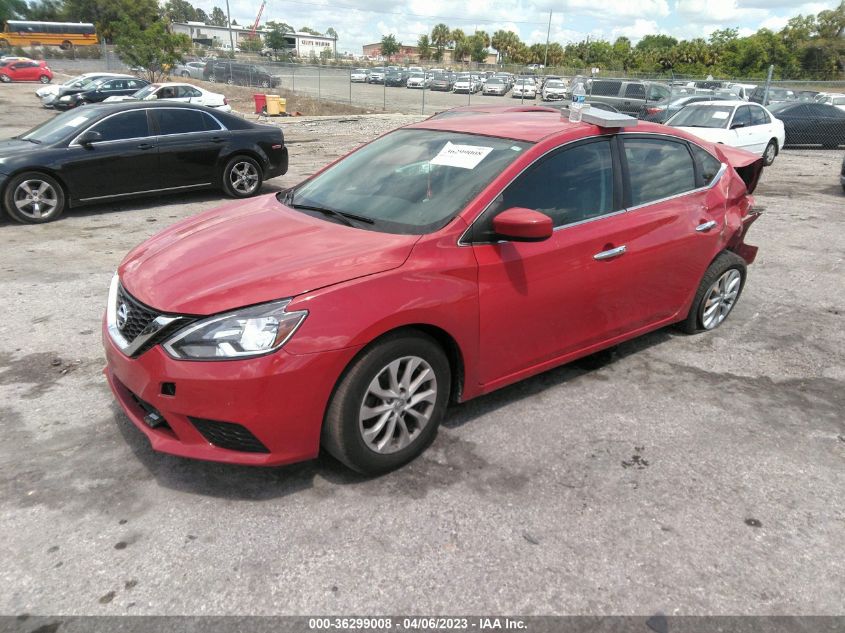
(388,404)
(717,294)
(242,177)
(770,152)
(265,83)
(33,198)
(212,79)
(5,79)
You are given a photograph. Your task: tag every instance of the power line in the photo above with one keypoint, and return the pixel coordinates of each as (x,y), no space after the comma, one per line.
(410,14)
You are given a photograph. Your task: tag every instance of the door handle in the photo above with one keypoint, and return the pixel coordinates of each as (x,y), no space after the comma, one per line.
(706,226)
(613,252)
(217,139)
(146,146)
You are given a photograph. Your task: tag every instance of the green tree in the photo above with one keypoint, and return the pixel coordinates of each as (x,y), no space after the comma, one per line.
(306,29)
(424,47)
(460,43)
(389,46)
(440,38)
(284,27)
(251,45)
(202,16)
(506,43)
(331,32)
(478,43)
(180,11)
(218,17)
(105,13)
(45,11)
(153,48)
(656,43)
(12,9)
(276,39)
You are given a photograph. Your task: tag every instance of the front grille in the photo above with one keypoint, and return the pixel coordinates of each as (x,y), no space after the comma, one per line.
(136,316)
(229,435)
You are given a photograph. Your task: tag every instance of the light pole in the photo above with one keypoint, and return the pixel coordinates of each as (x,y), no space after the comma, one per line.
(229,26)
(548,32)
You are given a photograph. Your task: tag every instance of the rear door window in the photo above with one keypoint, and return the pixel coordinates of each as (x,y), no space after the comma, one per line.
(759,116)
(658,169)
(635,91)
(180,121)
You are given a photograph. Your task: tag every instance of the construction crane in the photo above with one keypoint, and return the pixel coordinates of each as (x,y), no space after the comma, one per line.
(257,19)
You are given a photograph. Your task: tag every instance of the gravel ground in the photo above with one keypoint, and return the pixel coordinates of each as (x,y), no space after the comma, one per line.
(688,475)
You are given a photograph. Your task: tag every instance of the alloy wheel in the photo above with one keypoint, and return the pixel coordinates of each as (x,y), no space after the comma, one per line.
(769,157)
(243,177)
(721,298)
(35,198)
(397,405)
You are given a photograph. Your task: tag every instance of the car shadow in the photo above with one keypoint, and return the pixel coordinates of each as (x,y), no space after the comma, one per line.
(230,481)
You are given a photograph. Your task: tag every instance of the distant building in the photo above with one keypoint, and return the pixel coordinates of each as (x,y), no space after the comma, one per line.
(410,54)
(302,44)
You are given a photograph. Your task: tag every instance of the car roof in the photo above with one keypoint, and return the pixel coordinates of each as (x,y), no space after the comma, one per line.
(521,123)
(120,106)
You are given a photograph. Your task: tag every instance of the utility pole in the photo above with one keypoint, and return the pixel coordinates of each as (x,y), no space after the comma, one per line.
(548,33)
(229,24)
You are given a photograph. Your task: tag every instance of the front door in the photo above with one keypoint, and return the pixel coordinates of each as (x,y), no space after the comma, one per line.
(125,160)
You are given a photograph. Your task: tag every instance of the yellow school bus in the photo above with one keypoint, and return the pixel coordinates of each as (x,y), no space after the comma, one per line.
(66,35)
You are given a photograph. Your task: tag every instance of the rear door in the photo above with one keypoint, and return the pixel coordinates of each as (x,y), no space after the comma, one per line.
(125,161)
(189,142)
(674,219)
(633,98)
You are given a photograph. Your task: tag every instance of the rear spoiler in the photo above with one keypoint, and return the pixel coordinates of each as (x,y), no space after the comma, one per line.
(749,166)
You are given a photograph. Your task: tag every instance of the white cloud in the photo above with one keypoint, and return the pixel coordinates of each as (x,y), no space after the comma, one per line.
(636,31)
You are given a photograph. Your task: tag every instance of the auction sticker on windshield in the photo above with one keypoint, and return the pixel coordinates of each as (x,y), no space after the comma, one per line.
(464,156)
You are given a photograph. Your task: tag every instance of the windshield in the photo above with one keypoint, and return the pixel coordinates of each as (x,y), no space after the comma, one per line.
(702,116)
(146,91)
(555,84)
(410,181)
(56,129)
(76,81)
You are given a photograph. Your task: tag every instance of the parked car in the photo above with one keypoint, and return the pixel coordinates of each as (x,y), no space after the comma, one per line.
(553,90)
(834,99)
(51,90)
(465,83)
(496,86)
(662,111)
(443,82)
(525,87)
(29,70)
(194,70)
(628,96)
(376,76)
(115,150)
(396,78)
(811,123)
(224,71)
(748,126)
(99,91)
(433,265)
(81,84)
(776,95)
(419,80)
(184,93)
(359,75)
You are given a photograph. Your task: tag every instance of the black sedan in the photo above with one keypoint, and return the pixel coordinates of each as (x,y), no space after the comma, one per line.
(115,150)
(811,123)
(100,91)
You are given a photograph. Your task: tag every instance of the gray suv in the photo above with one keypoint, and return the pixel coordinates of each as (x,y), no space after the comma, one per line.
(628,96)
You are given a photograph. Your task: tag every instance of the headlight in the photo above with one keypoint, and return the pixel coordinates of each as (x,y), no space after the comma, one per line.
(240,334)
(65,98)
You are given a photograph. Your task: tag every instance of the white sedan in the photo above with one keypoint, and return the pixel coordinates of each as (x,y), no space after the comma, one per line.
(736,123)
(525,88)
(185,93)
(359,75)
(419,80)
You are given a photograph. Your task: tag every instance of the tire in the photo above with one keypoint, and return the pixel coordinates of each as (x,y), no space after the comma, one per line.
(242,177)
(33,198)
(185,73)
(5,79)
(265,83)
(44,79)
(717,294)
(66,45)
(212,79)
(391,436)
(230,81)
(770,152)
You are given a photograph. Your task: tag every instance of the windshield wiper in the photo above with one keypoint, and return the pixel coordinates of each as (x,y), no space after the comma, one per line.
(343,216)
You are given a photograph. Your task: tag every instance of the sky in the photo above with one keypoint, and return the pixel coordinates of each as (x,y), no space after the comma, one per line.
(360,22)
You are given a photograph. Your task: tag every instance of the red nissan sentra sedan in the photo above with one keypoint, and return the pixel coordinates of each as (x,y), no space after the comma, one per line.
(441,261)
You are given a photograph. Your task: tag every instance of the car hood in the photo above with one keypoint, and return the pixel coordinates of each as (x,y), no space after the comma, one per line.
(251,252)
(14,147)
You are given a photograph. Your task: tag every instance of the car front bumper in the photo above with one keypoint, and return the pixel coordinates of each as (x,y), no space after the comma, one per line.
(265,411)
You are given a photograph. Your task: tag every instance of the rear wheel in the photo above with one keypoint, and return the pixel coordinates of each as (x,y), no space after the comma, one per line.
(33,198)
(242,177)
(185,73)
(212,79)
(770,152)
(44,79)
(388,404)
(66,45)
(230,80)
(265,83)
(5,79)
(717,294)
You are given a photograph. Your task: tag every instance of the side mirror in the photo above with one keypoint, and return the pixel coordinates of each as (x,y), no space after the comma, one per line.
(523,225)
(88,138)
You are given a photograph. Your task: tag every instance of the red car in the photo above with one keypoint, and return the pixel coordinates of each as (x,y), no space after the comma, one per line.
(438,263)
(26,70)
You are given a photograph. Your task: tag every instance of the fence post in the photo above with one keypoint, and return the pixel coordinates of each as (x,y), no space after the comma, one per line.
(293,78)
(768,83)
(423,97)
(350,85)
(318,82)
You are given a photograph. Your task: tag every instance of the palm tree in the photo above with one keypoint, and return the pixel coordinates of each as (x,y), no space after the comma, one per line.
(440,37)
